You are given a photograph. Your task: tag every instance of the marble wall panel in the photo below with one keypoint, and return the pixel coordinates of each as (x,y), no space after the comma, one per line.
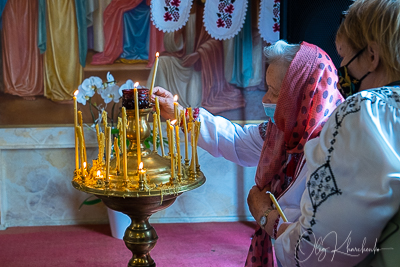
(37,165)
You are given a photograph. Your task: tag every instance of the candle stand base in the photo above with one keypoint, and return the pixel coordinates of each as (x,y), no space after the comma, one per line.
(140,237)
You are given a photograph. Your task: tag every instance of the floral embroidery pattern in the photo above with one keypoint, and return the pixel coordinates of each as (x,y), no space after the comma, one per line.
(276,10)
(172,10)
(225,9)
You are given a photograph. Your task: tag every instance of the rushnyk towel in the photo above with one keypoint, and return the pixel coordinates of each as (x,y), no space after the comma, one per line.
(223,19)
(170,15)
(269,21)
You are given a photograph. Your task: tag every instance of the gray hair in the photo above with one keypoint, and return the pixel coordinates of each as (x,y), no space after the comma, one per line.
(281,51)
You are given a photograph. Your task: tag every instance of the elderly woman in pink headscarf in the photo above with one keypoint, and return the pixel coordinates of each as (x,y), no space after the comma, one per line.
(302,85)
(305,97)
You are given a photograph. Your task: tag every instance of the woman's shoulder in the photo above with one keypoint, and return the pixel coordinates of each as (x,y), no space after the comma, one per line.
(369,103)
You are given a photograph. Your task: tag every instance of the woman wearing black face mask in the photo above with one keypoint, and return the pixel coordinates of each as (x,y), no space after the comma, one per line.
(352,195)
(349,85)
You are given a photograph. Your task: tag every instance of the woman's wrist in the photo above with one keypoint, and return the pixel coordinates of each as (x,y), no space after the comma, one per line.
(269,227)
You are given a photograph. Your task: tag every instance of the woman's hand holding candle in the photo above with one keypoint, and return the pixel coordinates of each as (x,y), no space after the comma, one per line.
(166,103)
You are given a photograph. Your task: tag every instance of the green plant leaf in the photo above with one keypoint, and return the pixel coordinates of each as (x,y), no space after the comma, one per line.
(89,202)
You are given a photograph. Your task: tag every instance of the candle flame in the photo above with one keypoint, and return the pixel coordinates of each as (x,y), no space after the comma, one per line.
(175,98)
(136,84)
(98,173)
(84,165)
(141,166)
(157,54)
(173,122)
(76,92)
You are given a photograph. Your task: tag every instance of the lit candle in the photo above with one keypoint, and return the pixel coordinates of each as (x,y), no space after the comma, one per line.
(178,150)
(124,154)
(171,149)
(153,79)
(84,167)
(185,134)
(278,208)
(142,176)
(75,133)
(168,122)
(159,126)
(155,131)
(193,143)
(116,148)
(142,171)
(80,121)
(137,122)
(176,108)
(108,152)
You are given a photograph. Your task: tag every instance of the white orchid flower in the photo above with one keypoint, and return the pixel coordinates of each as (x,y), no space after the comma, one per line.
(126,86)
(110,79)
(90,85)
(111,93)
(82,97)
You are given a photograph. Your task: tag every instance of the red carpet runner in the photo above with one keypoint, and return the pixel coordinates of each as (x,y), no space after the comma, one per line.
(179,245)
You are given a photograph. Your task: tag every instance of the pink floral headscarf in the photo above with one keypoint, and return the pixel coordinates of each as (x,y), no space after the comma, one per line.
(308,96)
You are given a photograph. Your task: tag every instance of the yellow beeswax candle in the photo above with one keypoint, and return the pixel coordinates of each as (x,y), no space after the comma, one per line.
(176,107)
(278,208)
(137,126)
(80,120)
(171,149)
(197,132)
(108,152)
(190,111)
(185,132)
(116,148)
(124,153)
(153,79)
(75,133)
(155,131)
(168,122)
(193,143)
(98,134)
(178,150)
(159,126)
(104,117)
(101,148)
(79,131)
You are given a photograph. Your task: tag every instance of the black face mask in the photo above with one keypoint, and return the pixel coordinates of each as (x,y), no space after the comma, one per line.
(348,84)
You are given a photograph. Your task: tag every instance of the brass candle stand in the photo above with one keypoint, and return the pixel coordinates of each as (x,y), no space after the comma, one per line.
(138,194)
